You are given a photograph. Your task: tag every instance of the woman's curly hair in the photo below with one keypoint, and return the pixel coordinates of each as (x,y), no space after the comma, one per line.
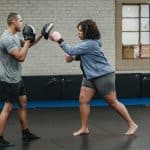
(89,29)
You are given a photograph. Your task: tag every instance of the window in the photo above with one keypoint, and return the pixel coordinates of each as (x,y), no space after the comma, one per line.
(132,35)
(135,31)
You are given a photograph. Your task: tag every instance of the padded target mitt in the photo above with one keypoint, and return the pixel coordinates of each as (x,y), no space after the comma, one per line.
(29,33)
(47,29)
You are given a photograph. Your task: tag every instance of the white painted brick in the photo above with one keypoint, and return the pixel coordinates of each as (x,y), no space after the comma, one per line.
(46,58)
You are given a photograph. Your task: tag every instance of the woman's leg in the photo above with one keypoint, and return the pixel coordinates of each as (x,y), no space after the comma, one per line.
(86,94)
(122,111)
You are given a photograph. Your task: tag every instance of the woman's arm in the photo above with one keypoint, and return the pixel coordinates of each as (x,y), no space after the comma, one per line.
(69,58)
(79,49)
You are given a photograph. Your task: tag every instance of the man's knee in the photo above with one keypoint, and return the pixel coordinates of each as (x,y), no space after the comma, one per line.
(23,102)
(23,105)
(8,107)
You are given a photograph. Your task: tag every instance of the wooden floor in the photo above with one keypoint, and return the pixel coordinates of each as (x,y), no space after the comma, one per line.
(55,126)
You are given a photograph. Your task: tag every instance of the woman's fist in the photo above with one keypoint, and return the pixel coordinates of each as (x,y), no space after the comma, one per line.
(55,36)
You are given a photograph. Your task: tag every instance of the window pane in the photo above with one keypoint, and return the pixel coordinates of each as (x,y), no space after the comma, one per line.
(129,38)
(145,11)
(130,51)
(145,24)
(130,11)
(145,37)
(130,25)
(145,51)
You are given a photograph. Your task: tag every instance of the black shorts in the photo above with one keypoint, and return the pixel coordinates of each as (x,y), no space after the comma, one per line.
(10,92)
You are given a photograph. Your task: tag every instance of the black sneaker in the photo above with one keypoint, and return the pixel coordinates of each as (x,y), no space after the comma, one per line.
(4,143)
(29,136)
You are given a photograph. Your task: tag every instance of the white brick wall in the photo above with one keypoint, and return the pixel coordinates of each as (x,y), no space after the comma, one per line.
(46,58)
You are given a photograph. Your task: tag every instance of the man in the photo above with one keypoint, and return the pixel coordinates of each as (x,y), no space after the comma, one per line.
(13,51)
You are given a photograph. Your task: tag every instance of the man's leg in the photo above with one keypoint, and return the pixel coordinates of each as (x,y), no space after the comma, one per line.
(22,112)
(4,116)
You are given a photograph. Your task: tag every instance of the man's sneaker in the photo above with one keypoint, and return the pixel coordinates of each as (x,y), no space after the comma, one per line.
(29,136)
(4,143)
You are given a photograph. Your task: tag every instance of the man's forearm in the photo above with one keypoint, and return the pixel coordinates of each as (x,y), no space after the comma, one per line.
(37,39)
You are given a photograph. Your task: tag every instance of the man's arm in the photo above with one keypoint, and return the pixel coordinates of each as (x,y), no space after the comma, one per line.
(37,39)
(21,53)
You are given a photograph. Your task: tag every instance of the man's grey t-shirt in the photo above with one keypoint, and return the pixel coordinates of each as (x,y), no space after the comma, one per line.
(10,68)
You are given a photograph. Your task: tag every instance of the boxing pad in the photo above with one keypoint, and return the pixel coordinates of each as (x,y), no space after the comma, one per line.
(46,30)
(29,33)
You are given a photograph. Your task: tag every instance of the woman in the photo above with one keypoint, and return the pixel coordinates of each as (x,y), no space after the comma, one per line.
(98,76)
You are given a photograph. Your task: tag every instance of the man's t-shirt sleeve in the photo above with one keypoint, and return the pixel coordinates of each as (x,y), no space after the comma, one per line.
(10,45)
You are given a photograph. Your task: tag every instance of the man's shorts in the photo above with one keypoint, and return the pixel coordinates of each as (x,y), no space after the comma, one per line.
(103,84)
(10,92)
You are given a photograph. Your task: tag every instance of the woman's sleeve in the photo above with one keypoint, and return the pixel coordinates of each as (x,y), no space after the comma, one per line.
(80,49)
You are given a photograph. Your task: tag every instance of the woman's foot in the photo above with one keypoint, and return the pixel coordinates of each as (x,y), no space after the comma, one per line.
(132,129)
(81,132)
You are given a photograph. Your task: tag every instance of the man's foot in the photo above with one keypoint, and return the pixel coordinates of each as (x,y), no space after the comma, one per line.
(4,143)
(81,132)
(132,129)
(28,136)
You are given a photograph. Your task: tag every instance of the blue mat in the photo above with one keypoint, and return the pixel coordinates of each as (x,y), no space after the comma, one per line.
(75,103)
